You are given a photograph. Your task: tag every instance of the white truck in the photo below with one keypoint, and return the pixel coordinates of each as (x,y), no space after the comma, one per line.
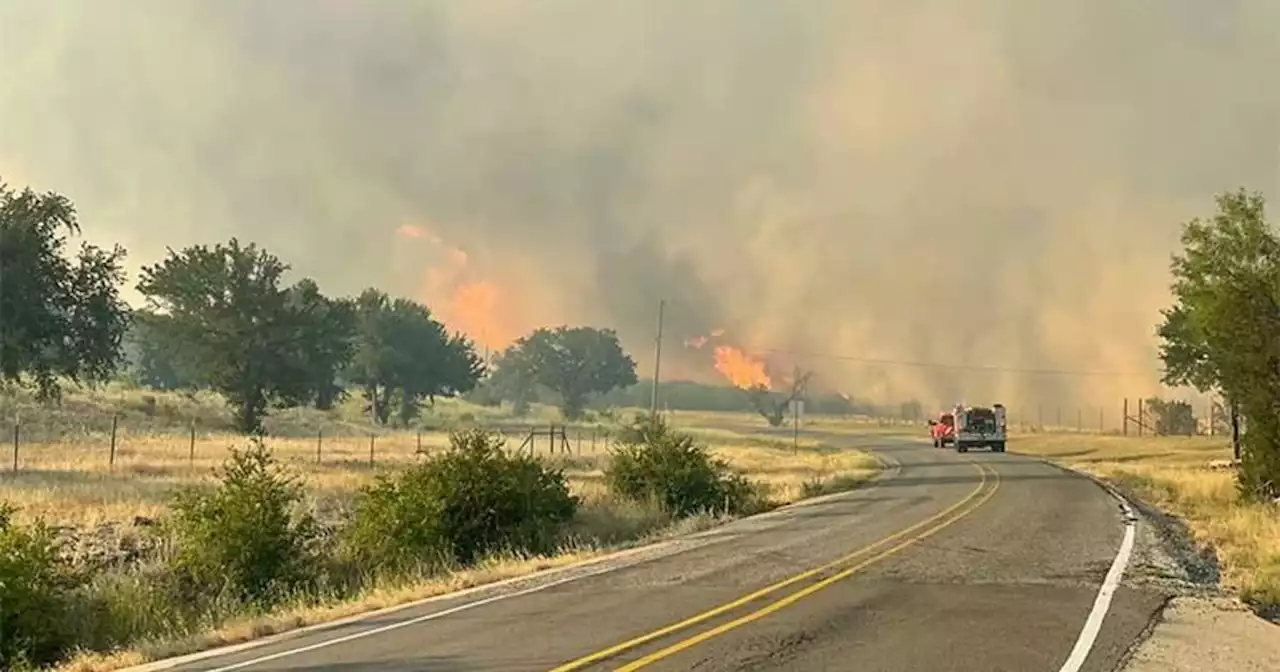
(979,427)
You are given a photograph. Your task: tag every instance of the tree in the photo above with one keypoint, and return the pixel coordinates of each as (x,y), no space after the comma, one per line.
(327,340)
(1172,418)
(774,407)
(235,323)
(156,355)
(510,381)
(575,363)
(58,319)
(403,353)
(1223,331)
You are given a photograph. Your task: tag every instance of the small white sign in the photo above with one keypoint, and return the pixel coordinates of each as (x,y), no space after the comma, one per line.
(797,411)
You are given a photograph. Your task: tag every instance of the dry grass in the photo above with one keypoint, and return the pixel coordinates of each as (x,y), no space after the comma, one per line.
(75,483)
(1173,474)
(792,475)
(754,424)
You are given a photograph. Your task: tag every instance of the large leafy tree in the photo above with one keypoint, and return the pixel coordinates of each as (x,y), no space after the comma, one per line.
(403,354)
(326,342)
(576,363)
(241,332)
(1223,331)
(59,318)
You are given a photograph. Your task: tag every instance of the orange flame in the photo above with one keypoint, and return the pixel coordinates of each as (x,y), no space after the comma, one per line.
(740,368)
(698,341)
(477,307)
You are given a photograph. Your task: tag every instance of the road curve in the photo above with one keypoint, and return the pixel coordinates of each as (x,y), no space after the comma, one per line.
(947,562)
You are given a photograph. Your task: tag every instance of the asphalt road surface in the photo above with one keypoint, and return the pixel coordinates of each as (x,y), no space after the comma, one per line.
(947,562)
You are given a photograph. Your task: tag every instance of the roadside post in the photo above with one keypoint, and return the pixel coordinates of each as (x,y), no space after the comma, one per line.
(797,410)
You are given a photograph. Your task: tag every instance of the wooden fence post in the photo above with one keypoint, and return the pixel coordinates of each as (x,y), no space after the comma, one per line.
(191,453)
(319,445)
(372,436)
(111,460)
(1124,418)
(17,439)
(1141,418)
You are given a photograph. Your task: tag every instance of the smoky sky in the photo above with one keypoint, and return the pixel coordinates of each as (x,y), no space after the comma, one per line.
(987,182)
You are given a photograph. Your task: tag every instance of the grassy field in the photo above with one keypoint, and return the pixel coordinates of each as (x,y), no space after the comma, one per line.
(1173,473)
(66,473)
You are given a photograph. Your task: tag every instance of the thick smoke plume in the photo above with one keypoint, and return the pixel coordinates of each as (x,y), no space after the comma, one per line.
(987,182)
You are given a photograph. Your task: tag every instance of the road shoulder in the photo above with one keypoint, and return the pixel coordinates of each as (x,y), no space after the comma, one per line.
(1195,634)
(1201,627)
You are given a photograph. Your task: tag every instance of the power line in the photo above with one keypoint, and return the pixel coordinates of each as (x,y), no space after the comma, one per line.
(960,367)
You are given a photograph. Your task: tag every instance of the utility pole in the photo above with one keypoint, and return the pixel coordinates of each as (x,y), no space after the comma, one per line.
(657,361)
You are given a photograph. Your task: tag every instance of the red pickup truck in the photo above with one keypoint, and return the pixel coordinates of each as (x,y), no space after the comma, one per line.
(943,430)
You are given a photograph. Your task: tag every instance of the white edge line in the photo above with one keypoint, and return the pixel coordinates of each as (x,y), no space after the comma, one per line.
(1101,604)
(402,624)
(231,649)
(890,467)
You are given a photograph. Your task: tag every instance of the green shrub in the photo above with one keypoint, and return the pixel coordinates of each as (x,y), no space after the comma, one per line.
(37,591)
(456,506)
(246,535)
(652,461)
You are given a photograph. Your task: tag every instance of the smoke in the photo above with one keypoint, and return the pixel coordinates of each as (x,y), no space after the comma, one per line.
(988,182)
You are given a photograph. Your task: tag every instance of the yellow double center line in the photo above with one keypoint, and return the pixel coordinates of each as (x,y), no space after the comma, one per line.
(905,539)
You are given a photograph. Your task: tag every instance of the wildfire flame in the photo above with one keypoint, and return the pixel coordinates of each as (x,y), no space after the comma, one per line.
(741,369)
(477,307)
(697,342)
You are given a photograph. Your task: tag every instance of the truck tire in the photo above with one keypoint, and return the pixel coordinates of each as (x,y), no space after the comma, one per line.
(961,448)
(997,447)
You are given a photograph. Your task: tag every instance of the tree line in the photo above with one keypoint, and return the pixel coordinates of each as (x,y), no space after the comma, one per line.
(223,317)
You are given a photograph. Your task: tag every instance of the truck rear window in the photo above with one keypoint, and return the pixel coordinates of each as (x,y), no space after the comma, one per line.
(982,416)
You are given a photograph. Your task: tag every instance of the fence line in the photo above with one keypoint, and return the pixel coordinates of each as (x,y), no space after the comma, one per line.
(125,436)
(336,448)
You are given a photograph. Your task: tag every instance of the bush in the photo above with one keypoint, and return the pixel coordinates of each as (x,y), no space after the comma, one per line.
(37,590)
(470,500)
(245,535)
(655,462)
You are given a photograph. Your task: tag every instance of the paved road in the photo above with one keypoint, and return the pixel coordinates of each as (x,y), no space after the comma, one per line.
(1005,577)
